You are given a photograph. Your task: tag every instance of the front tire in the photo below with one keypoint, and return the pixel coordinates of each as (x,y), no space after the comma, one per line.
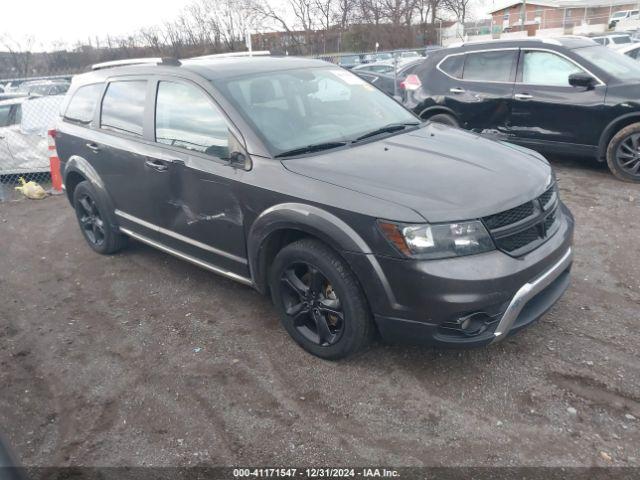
(96,224)
(320,302)
(444,118)
(623,154)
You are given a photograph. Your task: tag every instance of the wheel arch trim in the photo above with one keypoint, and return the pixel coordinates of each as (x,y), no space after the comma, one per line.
(79,165)
(314,221)
(610,130)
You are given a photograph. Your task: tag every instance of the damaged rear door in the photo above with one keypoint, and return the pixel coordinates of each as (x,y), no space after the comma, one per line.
(481,92)
(200,213)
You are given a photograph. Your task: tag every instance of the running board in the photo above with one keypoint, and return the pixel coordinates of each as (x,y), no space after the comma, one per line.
(188,258)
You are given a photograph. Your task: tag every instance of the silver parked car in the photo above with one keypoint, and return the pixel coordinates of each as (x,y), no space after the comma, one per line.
(23,133)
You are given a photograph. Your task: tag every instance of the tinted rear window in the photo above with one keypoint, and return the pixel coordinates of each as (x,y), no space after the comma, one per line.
(493,66)
(123,106)
(83,103)
(453,65)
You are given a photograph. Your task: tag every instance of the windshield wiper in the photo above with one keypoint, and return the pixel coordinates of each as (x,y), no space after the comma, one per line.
(311,148)
(392,127)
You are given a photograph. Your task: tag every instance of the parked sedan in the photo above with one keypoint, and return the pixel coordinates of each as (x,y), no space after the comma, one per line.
(631,50)
(567,95)
(44,87)
(614,41)
(375,67)
(383,81)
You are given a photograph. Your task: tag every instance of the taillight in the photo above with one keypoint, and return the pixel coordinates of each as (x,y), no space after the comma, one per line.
(412,82)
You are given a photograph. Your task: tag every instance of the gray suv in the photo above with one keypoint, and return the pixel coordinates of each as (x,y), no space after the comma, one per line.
(303,181)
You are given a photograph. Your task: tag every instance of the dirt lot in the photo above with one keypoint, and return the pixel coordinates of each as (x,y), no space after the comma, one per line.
(142,359)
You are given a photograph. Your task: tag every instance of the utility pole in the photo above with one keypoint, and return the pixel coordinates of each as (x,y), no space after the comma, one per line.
(523,13)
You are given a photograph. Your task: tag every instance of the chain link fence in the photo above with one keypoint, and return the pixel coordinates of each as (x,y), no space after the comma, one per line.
(28,109)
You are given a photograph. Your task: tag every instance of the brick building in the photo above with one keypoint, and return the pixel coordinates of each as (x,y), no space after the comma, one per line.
(557,13)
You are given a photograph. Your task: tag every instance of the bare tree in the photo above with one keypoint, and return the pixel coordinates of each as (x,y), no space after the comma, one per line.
(460,9)
(20,52)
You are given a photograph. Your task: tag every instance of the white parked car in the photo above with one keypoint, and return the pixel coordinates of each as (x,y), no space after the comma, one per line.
(631,50)
(613,41)
(23,133)
(623,15)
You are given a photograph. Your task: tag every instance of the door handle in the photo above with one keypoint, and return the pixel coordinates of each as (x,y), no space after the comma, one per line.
(156,165)
(93,147)
(457,90)
(523,96)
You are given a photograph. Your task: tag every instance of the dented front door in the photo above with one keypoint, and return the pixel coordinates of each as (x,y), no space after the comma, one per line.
(199,214)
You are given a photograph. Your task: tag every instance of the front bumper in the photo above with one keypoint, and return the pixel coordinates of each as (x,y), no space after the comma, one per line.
(425,301)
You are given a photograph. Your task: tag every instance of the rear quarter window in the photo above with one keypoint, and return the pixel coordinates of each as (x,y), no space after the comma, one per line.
(83,103)
(491,66)
(453,65)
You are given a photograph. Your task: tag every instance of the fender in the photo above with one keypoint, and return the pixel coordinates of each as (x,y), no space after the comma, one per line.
(314,221)
(79,165)
(610,131)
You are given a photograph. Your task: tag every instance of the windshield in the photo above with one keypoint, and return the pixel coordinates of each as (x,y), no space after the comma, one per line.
(612,62)
(619,15)
(293,109)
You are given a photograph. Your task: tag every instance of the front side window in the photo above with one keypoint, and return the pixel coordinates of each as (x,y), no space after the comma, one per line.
(83,103)
(296,108)
(494,66)
(546,68)
(187,118)
(123,107)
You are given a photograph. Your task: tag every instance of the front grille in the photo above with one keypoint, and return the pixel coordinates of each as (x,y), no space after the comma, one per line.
(508,217)
(521,229)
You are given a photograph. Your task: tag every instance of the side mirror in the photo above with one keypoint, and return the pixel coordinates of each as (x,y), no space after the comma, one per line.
(582,80)
(239,160)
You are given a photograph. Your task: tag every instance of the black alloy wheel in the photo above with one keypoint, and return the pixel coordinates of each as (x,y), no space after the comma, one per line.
(320,301)
(312,303)
(623,154)
(90,220)
(628,154)
(96,220)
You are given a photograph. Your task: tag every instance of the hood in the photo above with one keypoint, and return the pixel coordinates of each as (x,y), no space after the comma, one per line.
(442,173)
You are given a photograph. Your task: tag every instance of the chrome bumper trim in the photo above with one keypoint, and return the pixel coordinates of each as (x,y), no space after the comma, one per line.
(527,292)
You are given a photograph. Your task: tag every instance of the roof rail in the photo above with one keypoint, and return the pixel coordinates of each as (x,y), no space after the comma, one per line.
(256,53)
(137,61)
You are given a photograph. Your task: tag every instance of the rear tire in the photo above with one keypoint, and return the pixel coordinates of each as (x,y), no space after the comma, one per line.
(320,302)
(96,221)
(444,118)
(623,154)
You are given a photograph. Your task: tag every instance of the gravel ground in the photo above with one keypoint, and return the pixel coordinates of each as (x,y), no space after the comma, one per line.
(142,359)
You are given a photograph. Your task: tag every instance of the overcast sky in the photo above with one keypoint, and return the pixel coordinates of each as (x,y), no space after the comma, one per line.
(70,21)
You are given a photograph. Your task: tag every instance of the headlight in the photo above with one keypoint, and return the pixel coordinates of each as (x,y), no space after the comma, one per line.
(438,240)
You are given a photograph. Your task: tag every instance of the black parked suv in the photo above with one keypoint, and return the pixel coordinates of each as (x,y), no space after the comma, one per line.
(300,179)
(566,95)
